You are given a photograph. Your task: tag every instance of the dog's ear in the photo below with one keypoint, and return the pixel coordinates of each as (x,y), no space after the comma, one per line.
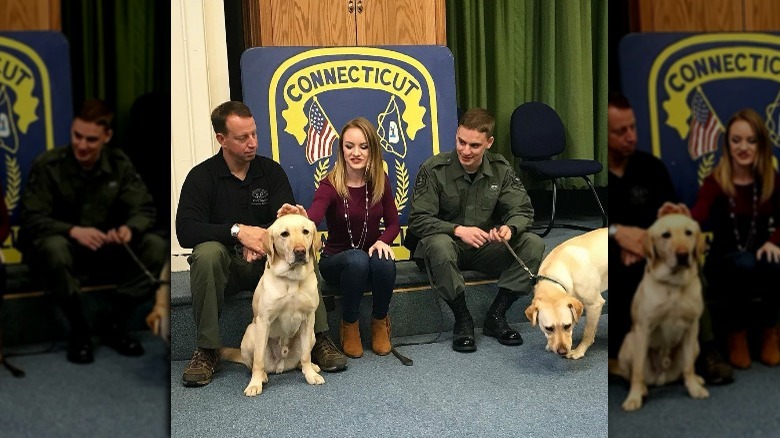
(576,308)
(531,312)
(701,245)
(648,247)
(269,245)
(316,244)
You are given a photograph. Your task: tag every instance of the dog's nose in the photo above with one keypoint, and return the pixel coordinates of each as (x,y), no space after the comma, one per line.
(682,258)
(562,351)
(300,252)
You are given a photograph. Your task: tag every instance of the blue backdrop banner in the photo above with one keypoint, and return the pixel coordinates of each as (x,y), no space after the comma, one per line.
(684,89)
(302,96)
(35,111)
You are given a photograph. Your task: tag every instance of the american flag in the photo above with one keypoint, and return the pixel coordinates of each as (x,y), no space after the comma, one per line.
(319,142)
(705,128)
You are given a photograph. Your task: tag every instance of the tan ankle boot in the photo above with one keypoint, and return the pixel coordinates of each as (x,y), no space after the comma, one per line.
(739,354)
(350,339)
(770,347)
(380,336)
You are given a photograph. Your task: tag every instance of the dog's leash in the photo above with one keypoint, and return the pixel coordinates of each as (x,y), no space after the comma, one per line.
(535,278)
(155,281)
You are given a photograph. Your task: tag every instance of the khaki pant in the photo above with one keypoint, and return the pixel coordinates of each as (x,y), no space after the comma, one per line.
(216,270)
(447,256)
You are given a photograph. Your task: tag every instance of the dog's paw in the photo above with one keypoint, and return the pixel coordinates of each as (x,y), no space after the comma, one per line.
(632,402)
(315,367)
(576,354)
(695,388)
(314,379)
(253,390)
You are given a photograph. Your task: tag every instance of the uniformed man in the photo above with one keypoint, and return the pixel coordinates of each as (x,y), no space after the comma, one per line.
(226,204)
(465,204)
(81,205)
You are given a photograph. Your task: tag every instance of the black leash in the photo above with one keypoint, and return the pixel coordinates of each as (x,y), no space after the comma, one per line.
(535,278)
(16,372)
(155,280)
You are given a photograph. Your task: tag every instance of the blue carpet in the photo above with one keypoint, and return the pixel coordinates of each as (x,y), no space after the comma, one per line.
(115,396)
(747,408)
(497,391)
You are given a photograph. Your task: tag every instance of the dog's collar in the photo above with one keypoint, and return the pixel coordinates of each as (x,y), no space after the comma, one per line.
(543,277)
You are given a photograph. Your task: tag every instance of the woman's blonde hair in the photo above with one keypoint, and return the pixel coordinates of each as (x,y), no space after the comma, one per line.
(375,172)
(763,168)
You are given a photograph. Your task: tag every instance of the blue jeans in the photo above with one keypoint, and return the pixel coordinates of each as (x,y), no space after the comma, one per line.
(353,272)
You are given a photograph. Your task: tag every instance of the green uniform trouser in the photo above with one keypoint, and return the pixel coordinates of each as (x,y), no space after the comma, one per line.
(447,256)
(216,270)
(60,260)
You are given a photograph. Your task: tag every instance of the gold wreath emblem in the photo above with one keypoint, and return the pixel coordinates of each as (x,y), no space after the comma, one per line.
(402,185)
(13,183)
(321,171)
(705,166)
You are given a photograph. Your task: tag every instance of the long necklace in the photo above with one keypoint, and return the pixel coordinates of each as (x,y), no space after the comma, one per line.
(349,227)
(752,232)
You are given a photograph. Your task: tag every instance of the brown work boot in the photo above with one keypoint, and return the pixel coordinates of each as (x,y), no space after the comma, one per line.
(201,368)
(739,353)
(326,355)
(770,347)
(350,339)
(380,335)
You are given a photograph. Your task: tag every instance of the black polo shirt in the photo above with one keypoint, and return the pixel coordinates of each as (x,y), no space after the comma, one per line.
(212,199)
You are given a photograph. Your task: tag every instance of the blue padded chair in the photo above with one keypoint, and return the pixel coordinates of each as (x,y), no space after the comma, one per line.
(537,136)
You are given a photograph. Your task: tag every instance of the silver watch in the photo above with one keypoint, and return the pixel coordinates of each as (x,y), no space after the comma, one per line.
(612,231)
(234,231)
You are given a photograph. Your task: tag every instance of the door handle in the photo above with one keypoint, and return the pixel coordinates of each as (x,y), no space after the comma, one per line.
(360,6)
(351,7)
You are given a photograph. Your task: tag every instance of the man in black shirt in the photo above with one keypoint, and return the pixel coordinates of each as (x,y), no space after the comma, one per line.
(227,202)
(639,184)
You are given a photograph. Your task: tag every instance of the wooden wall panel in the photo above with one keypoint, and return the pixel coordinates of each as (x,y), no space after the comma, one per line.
(30,15)
(762,15)
(299,23)
(330,22)
(691,15)
(385,22)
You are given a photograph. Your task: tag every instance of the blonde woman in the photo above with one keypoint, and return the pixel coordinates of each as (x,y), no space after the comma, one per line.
(736,202)
(357,257)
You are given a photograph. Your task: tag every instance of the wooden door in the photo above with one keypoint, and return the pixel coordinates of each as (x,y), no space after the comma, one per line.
(400,22)
(301,23)
(344,22)
(30,15)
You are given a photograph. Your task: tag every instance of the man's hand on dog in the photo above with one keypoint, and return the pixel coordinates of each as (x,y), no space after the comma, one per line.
(672,208)
(291,209)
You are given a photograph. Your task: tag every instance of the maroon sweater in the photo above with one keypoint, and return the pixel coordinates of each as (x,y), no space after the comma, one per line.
(712,211)
(329,205)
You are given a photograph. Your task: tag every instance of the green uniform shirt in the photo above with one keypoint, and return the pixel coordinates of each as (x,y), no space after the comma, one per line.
(59,195)
(445,196)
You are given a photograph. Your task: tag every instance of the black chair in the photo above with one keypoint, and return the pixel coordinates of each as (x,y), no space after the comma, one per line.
(537,136)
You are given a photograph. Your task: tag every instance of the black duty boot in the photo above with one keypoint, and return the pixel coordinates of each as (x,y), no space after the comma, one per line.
(495,320)
(79,342)
(463,330)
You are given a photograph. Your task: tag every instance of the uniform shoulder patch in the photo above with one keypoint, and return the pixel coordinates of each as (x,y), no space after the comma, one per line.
(421,182)
(513,180)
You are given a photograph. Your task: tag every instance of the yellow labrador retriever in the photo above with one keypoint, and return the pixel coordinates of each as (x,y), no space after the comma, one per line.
(571,279)
(662,344)
(281,334)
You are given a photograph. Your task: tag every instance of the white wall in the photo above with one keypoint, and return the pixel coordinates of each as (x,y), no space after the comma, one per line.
(199,82)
